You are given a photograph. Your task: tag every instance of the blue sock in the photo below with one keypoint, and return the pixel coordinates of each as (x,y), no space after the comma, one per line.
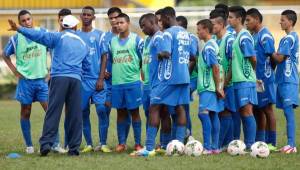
(215,130)
(225,123)
(137,130)
(290,125)
(121,130)
(180,133)
(206,130)
(103,123)
(229,134)
(147,118)
(127,127)
(25,126)
(150,137)
(86,127)
(188,119)
(260,135)
(272,137)
(165,139)
(236,118)
(249,127)
(267,136)
(174,126)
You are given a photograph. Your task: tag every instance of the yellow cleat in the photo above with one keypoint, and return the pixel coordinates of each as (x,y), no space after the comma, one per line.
(105,149)
(87,149)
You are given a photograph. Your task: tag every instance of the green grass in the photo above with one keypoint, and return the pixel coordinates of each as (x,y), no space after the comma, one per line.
(11,141)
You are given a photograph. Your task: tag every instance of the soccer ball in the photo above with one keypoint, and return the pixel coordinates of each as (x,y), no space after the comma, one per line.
(260,150)
(193,148)
(175,148)
(236,147)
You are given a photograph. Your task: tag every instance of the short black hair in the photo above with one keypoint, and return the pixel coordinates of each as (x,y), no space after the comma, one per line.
(206,23)
(183,21)
(168,11)
(239,12)
(218,12)
(158,12)
(89,8)
(291,15)
(123,15)
(113,10)
(253,12)
(64,12)
(23,12)
(224,7)
(149,16)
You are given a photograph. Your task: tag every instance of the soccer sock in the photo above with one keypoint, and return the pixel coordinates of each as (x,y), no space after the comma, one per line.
(225,123)
(86,127)
(127,127)
(103,123)
(236,118)
(137,130)
(272,137)
(25,126)
(260,135)
(165,139)
(215,130)
(180,133)
(206,130)
(150,137)
(174,126)
(147,118)
(290,124)
(249,125)
(188,119)
(267,136)
(229,134)
(121,130)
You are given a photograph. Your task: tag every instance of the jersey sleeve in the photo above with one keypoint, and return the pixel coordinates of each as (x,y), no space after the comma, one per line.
(210,56)
(194,46)
(267,42)
(228,49)
(247,47)
(10,47)
(167,42)
(158,43)
(285,46)
(139,46)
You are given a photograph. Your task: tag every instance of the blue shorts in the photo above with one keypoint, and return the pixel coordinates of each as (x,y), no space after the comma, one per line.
(287,94)
(208,101)
(29,91)
(128,96)
(268,96)
(108,91)
(221,105)
(89,94)
(146,99)
(193,86)
(172,95)
(244,96)
(230,99)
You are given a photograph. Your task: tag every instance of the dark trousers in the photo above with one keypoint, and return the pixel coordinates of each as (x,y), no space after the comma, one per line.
(63,90)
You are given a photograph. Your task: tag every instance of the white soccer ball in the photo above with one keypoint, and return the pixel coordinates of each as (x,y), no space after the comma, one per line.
(193,148)
(236,147)
(260,150)
(175,148)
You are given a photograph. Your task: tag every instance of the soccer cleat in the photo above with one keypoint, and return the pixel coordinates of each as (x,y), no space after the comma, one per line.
(272,148)
(138,147)
(160,151)
(87,149)
(29,150)
(105,149)
(207,152)
(121,148)
(288,149)
(143,152)
(58,149)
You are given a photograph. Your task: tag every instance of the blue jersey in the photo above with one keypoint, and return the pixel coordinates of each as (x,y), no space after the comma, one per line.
(210,53)
(155,65)
(287,71)
(176,41)
(230,29)
(194,45)
(264,47)
(92,40)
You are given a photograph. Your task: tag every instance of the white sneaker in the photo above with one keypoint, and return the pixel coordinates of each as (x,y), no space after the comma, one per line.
(58,149)
(29,150)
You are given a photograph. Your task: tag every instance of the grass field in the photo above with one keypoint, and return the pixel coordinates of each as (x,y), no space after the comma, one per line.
(11,141)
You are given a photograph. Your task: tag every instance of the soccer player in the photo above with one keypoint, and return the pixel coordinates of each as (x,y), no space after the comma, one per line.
(112,14)
(68,61)
(224,7)
(286,76)
(93,85)
(264,46)
(126,54)
(243,69)
(224,39)
(182,21)
(31,70)
(209,87)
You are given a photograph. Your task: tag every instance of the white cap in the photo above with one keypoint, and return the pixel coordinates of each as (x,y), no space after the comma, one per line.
(70,21)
